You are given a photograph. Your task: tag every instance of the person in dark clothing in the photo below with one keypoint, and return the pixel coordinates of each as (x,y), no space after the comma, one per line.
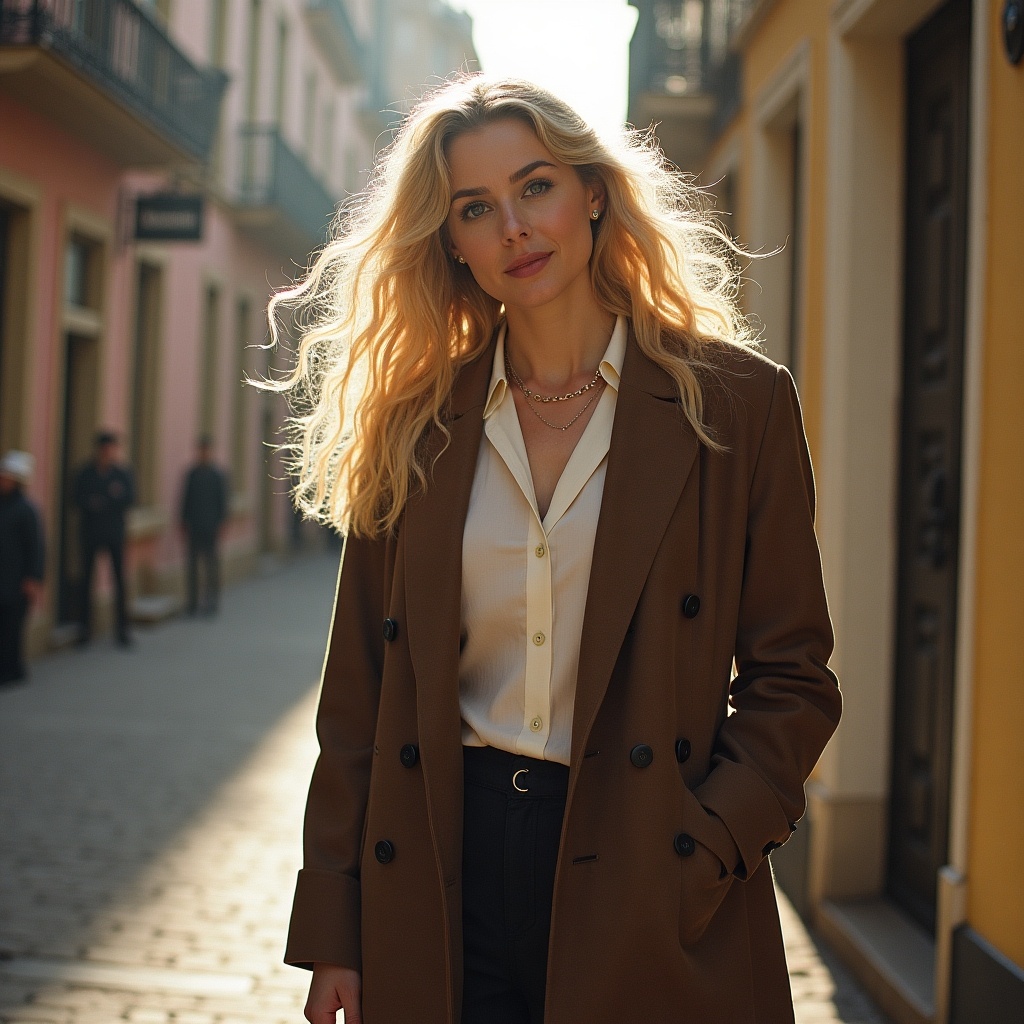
(21,562)
(104,491)
(204,508)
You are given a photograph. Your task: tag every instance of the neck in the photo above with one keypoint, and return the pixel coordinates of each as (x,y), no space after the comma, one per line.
(552,350)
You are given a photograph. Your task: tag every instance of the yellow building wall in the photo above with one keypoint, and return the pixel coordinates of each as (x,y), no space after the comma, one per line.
(995,881)
(788,24)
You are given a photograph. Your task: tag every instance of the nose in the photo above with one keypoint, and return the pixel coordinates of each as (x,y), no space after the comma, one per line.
(514,224)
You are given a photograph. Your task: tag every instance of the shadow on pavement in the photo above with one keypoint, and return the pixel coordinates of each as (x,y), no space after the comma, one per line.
(109,756)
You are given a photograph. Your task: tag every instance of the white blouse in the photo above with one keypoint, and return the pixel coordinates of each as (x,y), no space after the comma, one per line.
(525,579)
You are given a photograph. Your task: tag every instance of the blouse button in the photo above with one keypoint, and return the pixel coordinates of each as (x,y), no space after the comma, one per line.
(537,724)
(540,551)
(539,638)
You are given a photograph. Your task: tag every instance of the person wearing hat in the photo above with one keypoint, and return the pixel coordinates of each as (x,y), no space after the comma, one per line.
(21,562)
(104,491)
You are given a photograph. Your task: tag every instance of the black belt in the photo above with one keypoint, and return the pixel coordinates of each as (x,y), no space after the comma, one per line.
(515,775)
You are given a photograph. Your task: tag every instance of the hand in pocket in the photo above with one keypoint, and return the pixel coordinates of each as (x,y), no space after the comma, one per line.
(703,885)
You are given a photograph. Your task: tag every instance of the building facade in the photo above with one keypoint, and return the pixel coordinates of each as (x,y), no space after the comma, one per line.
(875,147)
(255,116)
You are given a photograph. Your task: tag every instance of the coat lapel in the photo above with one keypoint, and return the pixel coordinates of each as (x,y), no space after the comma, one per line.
(433,526)
(652,452)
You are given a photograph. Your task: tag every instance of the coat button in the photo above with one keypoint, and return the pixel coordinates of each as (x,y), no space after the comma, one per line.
(683,843)
(384,852)
(641,755)
(390,629)
(682,750)
(691,605)
(409,755)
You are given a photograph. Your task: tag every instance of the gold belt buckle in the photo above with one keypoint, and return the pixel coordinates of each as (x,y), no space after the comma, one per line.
(515,780)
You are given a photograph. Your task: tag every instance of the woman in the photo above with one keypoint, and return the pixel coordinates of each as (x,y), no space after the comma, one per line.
(579,515)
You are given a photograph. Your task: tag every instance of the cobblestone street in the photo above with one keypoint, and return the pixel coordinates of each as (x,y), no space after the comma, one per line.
(150,811)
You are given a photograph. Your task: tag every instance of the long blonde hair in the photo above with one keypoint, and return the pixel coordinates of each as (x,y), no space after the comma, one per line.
(386,317)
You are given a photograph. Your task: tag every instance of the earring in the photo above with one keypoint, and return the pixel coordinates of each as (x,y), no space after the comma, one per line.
(595,214)
(461,259)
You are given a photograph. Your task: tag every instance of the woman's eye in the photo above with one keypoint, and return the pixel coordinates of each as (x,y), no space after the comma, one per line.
(473,210)
(538,187)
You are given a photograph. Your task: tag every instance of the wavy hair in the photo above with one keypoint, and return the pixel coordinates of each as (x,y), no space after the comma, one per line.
(385,317)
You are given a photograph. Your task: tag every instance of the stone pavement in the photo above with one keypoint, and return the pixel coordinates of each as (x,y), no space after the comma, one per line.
(150,814)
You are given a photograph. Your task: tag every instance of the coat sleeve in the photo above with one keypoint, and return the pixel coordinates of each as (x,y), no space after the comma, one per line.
(785,699)
(325,922)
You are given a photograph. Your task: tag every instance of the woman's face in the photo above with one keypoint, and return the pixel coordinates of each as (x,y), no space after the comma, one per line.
(519,217)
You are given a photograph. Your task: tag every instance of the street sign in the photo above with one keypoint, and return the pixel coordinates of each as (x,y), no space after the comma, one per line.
(169,217)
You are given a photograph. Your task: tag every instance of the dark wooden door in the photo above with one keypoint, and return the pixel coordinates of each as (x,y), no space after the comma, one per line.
(935,254)
(81,357)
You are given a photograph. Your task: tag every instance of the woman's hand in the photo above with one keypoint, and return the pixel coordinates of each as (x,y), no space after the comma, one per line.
(334,988)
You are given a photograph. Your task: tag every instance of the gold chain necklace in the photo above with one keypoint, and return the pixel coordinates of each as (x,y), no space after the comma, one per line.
(539,398)
(549,398)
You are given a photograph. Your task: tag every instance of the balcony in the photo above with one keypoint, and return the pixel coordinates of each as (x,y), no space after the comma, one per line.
(106,71)
(332,31)
(280,203)
(685,71)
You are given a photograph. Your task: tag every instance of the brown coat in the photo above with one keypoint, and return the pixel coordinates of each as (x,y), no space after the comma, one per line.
(640,932)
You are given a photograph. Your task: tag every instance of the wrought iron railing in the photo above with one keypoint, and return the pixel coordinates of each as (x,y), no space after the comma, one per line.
(686,48)
(123,49)
(689,39)
(273,174)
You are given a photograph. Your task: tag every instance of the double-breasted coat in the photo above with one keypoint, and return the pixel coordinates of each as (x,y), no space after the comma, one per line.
(706,638)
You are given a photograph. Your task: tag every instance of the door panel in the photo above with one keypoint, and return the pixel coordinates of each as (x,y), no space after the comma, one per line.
(80,387)
(935,255)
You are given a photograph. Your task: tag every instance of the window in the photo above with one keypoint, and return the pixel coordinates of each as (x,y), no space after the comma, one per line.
(309,116)
(76,273)
(208,366)
(14,261)
(218,32)
(778,200)
(327,142)
(280,71)
(239,414)
(253,61)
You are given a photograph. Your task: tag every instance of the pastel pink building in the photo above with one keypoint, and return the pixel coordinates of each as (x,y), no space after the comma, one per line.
(265,113)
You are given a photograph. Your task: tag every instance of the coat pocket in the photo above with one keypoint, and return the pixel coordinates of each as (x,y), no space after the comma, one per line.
(703,884)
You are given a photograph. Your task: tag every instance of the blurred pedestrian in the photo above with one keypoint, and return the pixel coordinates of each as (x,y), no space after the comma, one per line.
(21,562)
(104,491)
(204,509)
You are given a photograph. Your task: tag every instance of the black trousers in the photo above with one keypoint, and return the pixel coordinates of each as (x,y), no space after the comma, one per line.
(91,547)
(203,549)
(511,832)
(12,624)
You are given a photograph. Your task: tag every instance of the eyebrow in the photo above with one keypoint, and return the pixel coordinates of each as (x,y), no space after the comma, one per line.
(513,178)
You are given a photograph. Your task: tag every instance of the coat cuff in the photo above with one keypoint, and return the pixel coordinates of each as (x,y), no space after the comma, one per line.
(709,830)
(325,923)
(749,809)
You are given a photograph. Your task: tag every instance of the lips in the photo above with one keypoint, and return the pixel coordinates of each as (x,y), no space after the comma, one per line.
(528,265)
